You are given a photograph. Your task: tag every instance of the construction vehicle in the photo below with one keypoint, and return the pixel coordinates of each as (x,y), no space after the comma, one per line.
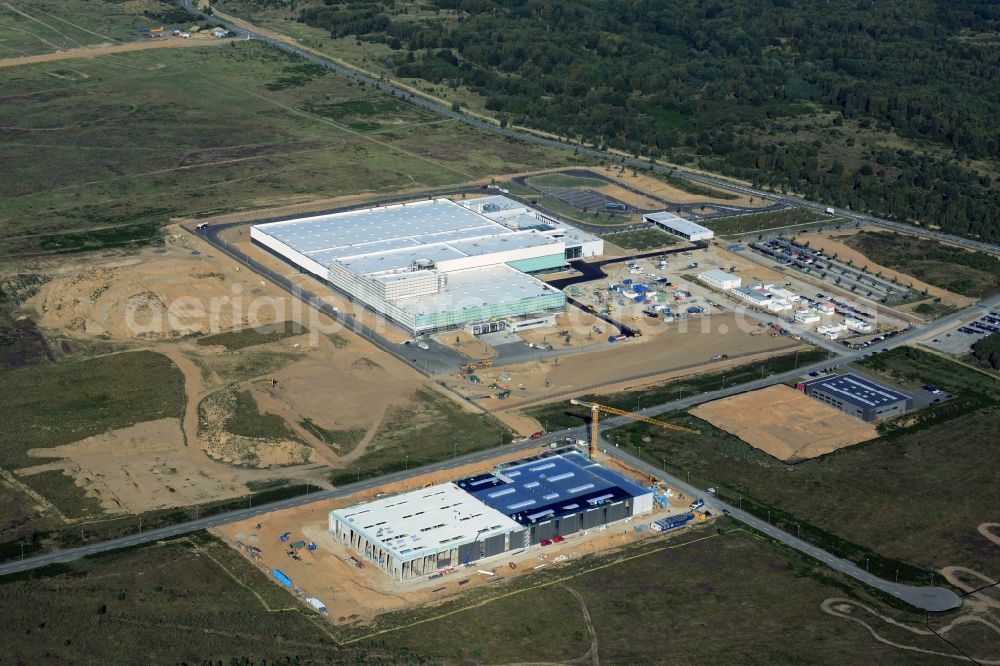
(595,410)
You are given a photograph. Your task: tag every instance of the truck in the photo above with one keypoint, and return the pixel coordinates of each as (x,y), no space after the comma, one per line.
(423,345)
(829,210)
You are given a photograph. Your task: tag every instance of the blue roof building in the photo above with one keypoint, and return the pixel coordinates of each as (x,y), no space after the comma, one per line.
(559,493)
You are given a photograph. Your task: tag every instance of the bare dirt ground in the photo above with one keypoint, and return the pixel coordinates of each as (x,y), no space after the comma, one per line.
(833,243)
(162,293)
(629,197)
(144,467)
(796,427)
(672,350)
(110,49)
(353,594)
(672,194)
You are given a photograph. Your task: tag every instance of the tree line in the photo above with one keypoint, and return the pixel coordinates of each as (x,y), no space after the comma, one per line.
(711,83)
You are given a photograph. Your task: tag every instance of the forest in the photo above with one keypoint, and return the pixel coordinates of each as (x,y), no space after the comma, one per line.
(885,106)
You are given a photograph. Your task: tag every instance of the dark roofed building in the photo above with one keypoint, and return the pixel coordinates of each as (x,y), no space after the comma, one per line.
(858,396)
(559,493)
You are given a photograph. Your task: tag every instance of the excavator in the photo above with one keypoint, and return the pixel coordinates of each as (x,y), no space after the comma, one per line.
(596,409)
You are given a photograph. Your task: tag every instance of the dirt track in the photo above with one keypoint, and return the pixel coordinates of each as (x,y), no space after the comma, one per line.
(110,49)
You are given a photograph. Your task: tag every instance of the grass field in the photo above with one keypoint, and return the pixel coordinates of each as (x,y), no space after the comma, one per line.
(562,180)
(914,495)
(46,26)
(430,428)
(194,600)
(194,132)
(759,222)
(562,414)
(249,337)
(973,274)
(51,405)
(641,239)
(247,420)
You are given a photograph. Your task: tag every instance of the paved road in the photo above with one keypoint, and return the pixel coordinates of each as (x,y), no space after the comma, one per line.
(931,602)
(926,598)
(583,150)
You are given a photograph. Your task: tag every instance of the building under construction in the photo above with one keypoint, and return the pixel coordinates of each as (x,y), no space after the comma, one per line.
(558,494)
(518,504)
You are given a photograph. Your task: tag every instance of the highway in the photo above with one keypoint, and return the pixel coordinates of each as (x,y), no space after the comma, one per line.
(633,162)
(926,598)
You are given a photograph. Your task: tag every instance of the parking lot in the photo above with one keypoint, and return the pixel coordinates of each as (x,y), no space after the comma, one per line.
(959,340)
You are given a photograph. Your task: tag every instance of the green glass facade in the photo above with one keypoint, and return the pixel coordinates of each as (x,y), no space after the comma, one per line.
(535,264)
(474,315)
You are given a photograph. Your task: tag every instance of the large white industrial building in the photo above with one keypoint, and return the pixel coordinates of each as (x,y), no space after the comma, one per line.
(518,504)
(417,533)
(432,265)
(678,226)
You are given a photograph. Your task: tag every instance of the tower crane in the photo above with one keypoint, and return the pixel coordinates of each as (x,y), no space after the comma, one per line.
(596,409)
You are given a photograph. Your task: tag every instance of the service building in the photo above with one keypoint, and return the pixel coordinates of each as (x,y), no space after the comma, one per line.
(678,226)
(720,280)
(858,396)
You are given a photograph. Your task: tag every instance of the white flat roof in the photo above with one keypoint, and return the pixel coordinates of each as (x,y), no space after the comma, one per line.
(393,237)
(515,214)
(427,521)
(677,223)
(719,275)
(474,287)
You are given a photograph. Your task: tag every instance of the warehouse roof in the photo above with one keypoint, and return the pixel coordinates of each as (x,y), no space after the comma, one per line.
(549,486)
(677,223)
(423,522)
(474,287)
(857,390)
(393,237)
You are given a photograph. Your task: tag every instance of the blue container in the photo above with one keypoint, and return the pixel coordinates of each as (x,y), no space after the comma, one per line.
(281,578)
(627,281)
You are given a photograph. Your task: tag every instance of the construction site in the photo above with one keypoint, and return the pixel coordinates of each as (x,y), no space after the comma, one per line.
(418,541)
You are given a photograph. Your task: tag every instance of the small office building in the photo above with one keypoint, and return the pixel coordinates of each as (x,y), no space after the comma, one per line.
(858,396)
